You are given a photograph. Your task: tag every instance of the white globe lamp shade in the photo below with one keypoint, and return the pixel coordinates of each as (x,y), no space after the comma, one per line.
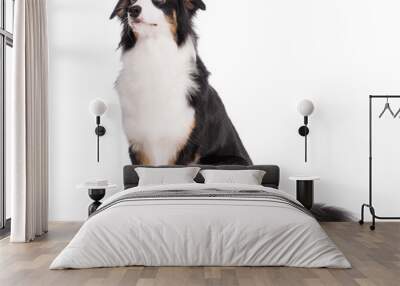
(306,107)
(97,107)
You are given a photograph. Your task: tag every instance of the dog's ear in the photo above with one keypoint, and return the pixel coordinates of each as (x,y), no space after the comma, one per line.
(120,9)
(194,5)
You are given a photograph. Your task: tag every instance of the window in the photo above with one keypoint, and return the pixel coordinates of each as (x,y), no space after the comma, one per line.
(6,44)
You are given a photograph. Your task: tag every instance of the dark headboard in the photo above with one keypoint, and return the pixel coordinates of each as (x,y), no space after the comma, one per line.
(271,178)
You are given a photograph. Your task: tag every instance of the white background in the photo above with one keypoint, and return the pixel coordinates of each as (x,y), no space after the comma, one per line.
(264,56)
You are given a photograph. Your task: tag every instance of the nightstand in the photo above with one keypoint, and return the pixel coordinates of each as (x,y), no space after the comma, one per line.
(305,190)
(96,193)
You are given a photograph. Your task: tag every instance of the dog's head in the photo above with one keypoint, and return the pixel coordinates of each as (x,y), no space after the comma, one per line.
(152,18)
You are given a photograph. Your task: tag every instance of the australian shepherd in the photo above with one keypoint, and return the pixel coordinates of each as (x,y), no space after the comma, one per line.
(170,113)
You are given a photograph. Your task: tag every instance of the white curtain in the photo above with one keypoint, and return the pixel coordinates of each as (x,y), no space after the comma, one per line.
(28,148)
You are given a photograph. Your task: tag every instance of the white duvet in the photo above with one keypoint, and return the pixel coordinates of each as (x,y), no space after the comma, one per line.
(200,232)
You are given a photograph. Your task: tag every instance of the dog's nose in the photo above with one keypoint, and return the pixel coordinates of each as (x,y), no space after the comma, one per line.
(135,11)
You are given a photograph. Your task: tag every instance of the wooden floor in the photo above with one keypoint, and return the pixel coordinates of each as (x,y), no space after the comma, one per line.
(375,257)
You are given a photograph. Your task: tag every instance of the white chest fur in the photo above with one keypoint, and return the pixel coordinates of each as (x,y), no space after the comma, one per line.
(153,86)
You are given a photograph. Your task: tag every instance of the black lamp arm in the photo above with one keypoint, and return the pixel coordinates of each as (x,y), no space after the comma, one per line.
(304,131)
(100,131)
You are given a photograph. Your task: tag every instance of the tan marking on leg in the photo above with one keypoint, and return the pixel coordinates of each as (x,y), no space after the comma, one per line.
(183,144)
(143,158)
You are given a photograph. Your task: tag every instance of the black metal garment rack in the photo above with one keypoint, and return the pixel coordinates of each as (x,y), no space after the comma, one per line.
(370,204)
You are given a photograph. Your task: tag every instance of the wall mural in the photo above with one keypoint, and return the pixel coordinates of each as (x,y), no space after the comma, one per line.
(171,115)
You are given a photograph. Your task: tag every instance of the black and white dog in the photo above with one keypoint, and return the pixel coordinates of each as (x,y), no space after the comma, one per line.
(171,115)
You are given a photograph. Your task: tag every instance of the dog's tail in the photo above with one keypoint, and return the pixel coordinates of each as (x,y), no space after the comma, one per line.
(326,213)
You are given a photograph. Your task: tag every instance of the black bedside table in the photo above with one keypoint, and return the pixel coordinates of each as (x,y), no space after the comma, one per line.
(96,193)
(305,190)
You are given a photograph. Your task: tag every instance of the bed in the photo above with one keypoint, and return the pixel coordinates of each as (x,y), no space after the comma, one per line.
(198,224)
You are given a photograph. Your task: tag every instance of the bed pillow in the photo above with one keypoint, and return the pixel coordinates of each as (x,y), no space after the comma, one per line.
(245,177)
(166,176)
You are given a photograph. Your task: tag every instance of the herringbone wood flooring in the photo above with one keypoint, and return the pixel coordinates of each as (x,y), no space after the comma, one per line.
(375,257)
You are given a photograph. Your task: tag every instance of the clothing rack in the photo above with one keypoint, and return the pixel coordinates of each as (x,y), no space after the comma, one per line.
(370,204)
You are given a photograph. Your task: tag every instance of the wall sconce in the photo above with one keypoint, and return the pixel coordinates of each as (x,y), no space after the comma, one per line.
(97,107)
(305,108)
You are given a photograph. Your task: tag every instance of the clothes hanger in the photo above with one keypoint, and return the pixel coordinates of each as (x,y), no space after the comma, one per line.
(387,107)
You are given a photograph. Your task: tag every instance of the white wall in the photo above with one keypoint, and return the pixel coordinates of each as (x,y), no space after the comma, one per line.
(264,57)
(83,66)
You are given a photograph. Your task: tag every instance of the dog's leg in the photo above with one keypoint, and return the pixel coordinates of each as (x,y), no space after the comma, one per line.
(188,155)
(133,156)
(138,157)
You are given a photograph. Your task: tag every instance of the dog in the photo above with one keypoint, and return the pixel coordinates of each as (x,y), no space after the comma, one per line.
(170,113)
